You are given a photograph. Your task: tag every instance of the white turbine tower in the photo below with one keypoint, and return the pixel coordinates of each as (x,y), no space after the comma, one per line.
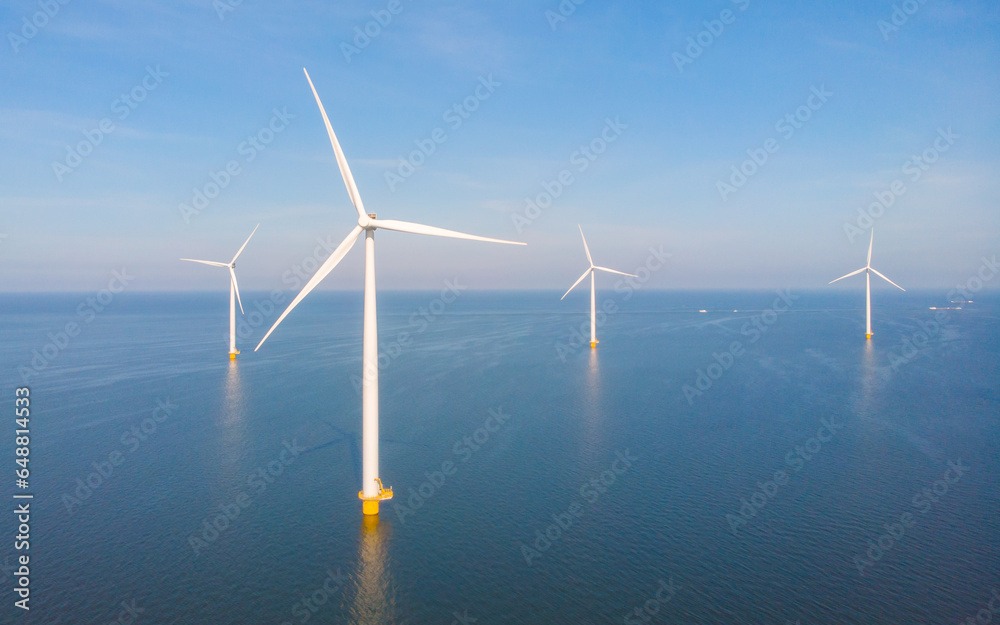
(234,292)
(868,269)
(593,300)
(372,490)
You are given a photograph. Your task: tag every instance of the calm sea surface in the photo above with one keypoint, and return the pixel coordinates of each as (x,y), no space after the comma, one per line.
(746,464)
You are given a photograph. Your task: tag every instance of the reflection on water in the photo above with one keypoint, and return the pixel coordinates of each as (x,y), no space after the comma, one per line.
(567,420)
(868,374)
(592,421)
(232,424)
(374,602)
(866,410)
(233,407)
(592,370)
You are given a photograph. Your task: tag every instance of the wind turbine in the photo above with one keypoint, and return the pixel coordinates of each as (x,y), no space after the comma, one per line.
(593,301)
(372,490)
(868,269)
(234,292)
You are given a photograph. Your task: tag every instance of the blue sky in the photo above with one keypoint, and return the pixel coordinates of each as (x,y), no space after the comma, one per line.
(214,77)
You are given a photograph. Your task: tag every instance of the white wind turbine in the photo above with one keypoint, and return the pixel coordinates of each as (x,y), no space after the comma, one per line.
(234,292)
(372,490)
(868,269)
(593,300)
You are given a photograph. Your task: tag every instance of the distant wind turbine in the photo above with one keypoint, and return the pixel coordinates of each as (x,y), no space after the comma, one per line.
(372,490)
(234,292)
(868,269)
(593,300)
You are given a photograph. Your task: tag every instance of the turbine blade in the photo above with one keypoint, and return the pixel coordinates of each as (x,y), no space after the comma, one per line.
(236,287)
(613,271)
(585,248)
(853,273)
(244,244)
(331,262)
(412,228)
(585,274)
(206,262)
(345,171)
(870,242)
(887,279)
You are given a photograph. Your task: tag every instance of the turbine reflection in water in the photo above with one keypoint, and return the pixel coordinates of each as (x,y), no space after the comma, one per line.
(374,602)
(233,407)
(868,374)
(232,424)
(865,409)
(592,421)
(593,372)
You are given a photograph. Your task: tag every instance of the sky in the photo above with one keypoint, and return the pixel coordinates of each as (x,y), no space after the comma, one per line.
(751,144)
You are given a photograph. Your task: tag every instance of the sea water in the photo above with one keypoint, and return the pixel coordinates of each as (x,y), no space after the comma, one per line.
(720,457)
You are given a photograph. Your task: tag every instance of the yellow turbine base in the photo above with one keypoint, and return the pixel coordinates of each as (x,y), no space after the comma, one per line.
(232,355)
(868,336)
(593,344)
(369,505)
